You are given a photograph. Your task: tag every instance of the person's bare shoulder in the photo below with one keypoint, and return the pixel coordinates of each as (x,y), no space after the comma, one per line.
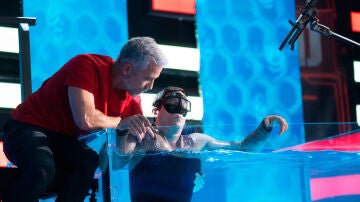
(199,140)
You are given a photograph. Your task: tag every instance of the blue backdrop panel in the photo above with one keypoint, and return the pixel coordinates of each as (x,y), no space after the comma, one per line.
(69,27)
(243,74)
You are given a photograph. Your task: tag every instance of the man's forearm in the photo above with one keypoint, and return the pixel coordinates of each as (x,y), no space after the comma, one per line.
(99,120)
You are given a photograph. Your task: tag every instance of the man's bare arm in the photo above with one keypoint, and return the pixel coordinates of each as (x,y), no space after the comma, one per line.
(85,115)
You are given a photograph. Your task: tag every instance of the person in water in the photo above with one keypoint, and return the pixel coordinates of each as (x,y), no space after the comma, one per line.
(171,177)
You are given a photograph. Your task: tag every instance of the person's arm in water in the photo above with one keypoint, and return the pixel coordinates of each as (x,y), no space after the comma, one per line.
(256,140)
(125,145)
(252,142)
(128,144)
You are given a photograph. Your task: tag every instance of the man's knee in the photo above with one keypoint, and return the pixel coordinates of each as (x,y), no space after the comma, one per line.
(45,172)
(40,178)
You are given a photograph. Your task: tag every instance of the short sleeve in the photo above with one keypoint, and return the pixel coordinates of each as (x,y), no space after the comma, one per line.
(81,73)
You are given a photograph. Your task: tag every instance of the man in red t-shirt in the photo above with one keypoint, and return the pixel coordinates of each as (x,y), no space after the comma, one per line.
(90,92)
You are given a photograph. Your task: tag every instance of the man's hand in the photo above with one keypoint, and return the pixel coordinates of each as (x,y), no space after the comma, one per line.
(138,125)
(273,119)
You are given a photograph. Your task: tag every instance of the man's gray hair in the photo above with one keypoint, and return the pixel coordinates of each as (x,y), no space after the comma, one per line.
(141,51)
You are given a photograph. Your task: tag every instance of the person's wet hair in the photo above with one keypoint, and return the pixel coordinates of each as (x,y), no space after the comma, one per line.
(158,100)
(174,101)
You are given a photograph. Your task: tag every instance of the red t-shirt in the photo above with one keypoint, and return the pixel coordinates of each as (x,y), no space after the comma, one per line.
(49,107)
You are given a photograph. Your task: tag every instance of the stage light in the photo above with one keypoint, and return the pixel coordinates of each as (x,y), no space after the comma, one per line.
(355,21)
(9,40)
(3,160)
(357,71)
(182,58)
(10,94)
(174,6)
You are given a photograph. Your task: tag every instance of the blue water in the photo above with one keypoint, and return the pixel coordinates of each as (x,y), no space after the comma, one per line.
(231,176)
(239,176)
(234,176)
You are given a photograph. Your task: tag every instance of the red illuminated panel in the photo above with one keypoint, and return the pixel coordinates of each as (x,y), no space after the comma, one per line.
(174,6)
(349,143)
(355,21)
(329,187)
